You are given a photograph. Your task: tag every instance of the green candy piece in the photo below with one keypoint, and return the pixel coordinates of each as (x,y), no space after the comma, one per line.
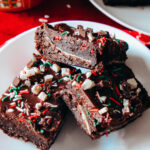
(12,89)
(78,77)
(60,79)
(4,98)
(50,64)
(64,33)
(96,123)
(88,114)
(70,77)
(42,131)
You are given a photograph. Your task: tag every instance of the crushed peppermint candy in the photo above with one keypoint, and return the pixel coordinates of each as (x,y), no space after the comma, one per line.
(48,78)
(55,68)
(36,89)
(103,110)
(132,82)
(88,84)
(65,72)
(88,74)
(38,106)
(42,96)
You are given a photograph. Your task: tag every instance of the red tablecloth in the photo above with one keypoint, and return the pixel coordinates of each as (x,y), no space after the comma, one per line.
(14,23)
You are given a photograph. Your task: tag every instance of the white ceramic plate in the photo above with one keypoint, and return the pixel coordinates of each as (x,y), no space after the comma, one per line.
(16,53)
(135,18)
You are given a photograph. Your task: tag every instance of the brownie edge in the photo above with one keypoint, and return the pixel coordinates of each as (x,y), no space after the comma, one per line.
(78,46)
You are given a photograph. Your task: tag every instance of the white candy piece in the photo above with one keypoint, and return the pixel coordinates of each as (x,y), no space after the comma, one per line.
(48,78)
(30,72)
(103,110)
(126,110)
(42,96)
(55,67)
(120,86)
(87,84)
(36,89)
(66,79)
(74,83)
(91,37)
(132,82)
(44,62)
(100,45)
(13,103)
(50,105)
(17,97)
(102,99)
(38,106)
(65,72)
(25,69)
(23,76)
(12,94)
(19,109)
(126,102)
(88,74)
(27,83)
(36,70)
(10,110)
(138,91)
(34,58)
(42,68)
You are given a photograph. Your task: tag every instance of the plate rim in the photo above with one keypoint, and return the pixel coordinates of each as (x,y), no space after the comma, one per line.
(116,19)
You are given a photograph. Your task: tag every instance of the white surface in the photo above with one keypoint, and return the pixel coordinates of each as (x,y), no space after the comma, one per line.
(136,136)
(135,18)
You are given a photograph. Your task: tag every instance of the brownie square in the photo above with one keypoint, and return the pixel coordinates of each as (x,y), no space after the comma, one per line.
(32,108)
(106,100)
(78,46)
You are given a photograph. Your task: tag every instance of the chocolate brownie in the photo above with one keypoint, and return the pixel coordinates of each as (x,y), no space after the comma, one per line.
(79,46)
(106,100)
(127,2)
(31,108)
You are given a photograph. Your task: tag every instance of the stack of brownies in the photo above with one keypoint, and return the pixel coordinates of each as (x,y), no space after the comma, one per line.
(105,98)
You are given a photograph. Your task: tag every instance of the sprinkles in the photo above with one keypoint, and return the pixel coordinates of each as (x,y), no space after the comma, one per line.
(94,110)
(78,77)
(115,101)
(4,98)
(23,92)
(42,131)
(64,33)
(70,77)
(50,64)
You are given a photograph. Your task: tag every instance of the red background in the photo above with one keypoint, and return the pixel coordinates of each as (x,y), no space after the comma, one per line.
(11,24)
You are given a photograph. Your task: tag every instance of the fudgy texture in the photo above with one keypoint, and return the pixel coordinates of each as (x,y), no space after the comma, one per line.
(79,46)
(103,101)
(127,2)
(32,108)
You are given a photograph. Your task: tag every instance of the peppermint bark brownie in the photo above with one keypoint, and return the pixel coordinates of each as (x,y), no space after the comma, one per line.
(31,108)
(103,101)
(127,2)
(78,46)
